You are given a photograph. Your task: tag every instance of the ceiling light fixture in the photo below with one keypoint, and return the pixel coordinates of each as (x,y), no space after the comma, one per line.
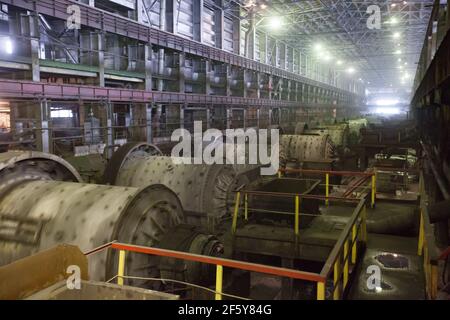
(275,23)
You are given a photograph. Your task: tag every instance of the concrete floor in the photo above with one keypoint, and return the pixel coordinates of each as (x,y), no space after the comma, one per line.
(403,279)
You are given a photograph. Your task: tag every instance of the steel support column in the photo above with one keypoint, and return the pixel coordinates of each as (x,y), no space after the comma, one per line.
(43,139)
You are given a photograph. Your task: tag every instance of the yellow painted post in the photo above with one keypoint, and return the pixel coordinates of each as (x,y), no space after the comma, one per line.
(327,187)
(354,246)
(297,217)
(421,235)
(279,174)
(219,281)
(246,207)
(346,259)
(427,270)
(364,225)
(374,189)
(121,269)
(320,290)
(434,282)
(337,286)
(236,211)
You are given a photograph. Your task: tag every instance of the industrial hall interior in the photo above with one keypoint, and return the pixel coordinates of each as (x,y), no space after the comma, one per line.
(226,150)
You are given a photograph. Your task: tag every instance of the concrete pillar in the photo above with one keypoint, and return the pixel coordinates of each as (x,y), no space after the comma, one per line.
(158,119)
(245,119)
(109,130)
(43,139)
(237,31)
(228,80)
(258,85)
(170,15)
(229,117)
(219,20)
(101,58)
(181,76)
(276,58)
(258,115)
(247,77)
(148,67)
(35,47)
(182,109)
(161,53)
(250,39)
(197,17)
(208,118)
(270,86)
(208,73)
(148,122)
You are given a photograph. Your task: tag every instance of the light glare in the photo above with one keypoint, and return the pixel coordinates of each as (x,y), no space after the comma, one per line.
(386,110)
(275,23)
(7,45)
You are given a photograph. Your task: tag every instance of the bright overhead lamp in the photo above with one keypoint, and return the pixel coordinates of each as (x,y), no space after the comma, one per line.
(275,23)
(351,70)
(6,44)
(318,47)
(339,62)
(327,56)
(396,35)
(398,52)
(393,20)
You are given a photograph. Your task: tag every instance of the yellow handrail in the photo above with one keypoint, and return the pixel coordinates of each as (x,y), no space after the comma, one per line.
(121,268)
(374,189)
(219,281)
(297,218)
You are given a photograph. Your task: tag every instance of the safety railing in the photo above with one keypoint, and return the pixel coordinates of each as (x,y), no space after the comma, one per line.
(364,177)
(220,263)
(296,197)
(344,255)
(426,245)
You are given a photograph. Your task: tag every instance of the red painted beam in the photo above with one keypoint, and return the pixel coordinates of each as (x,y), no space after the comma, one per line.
(282,272)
